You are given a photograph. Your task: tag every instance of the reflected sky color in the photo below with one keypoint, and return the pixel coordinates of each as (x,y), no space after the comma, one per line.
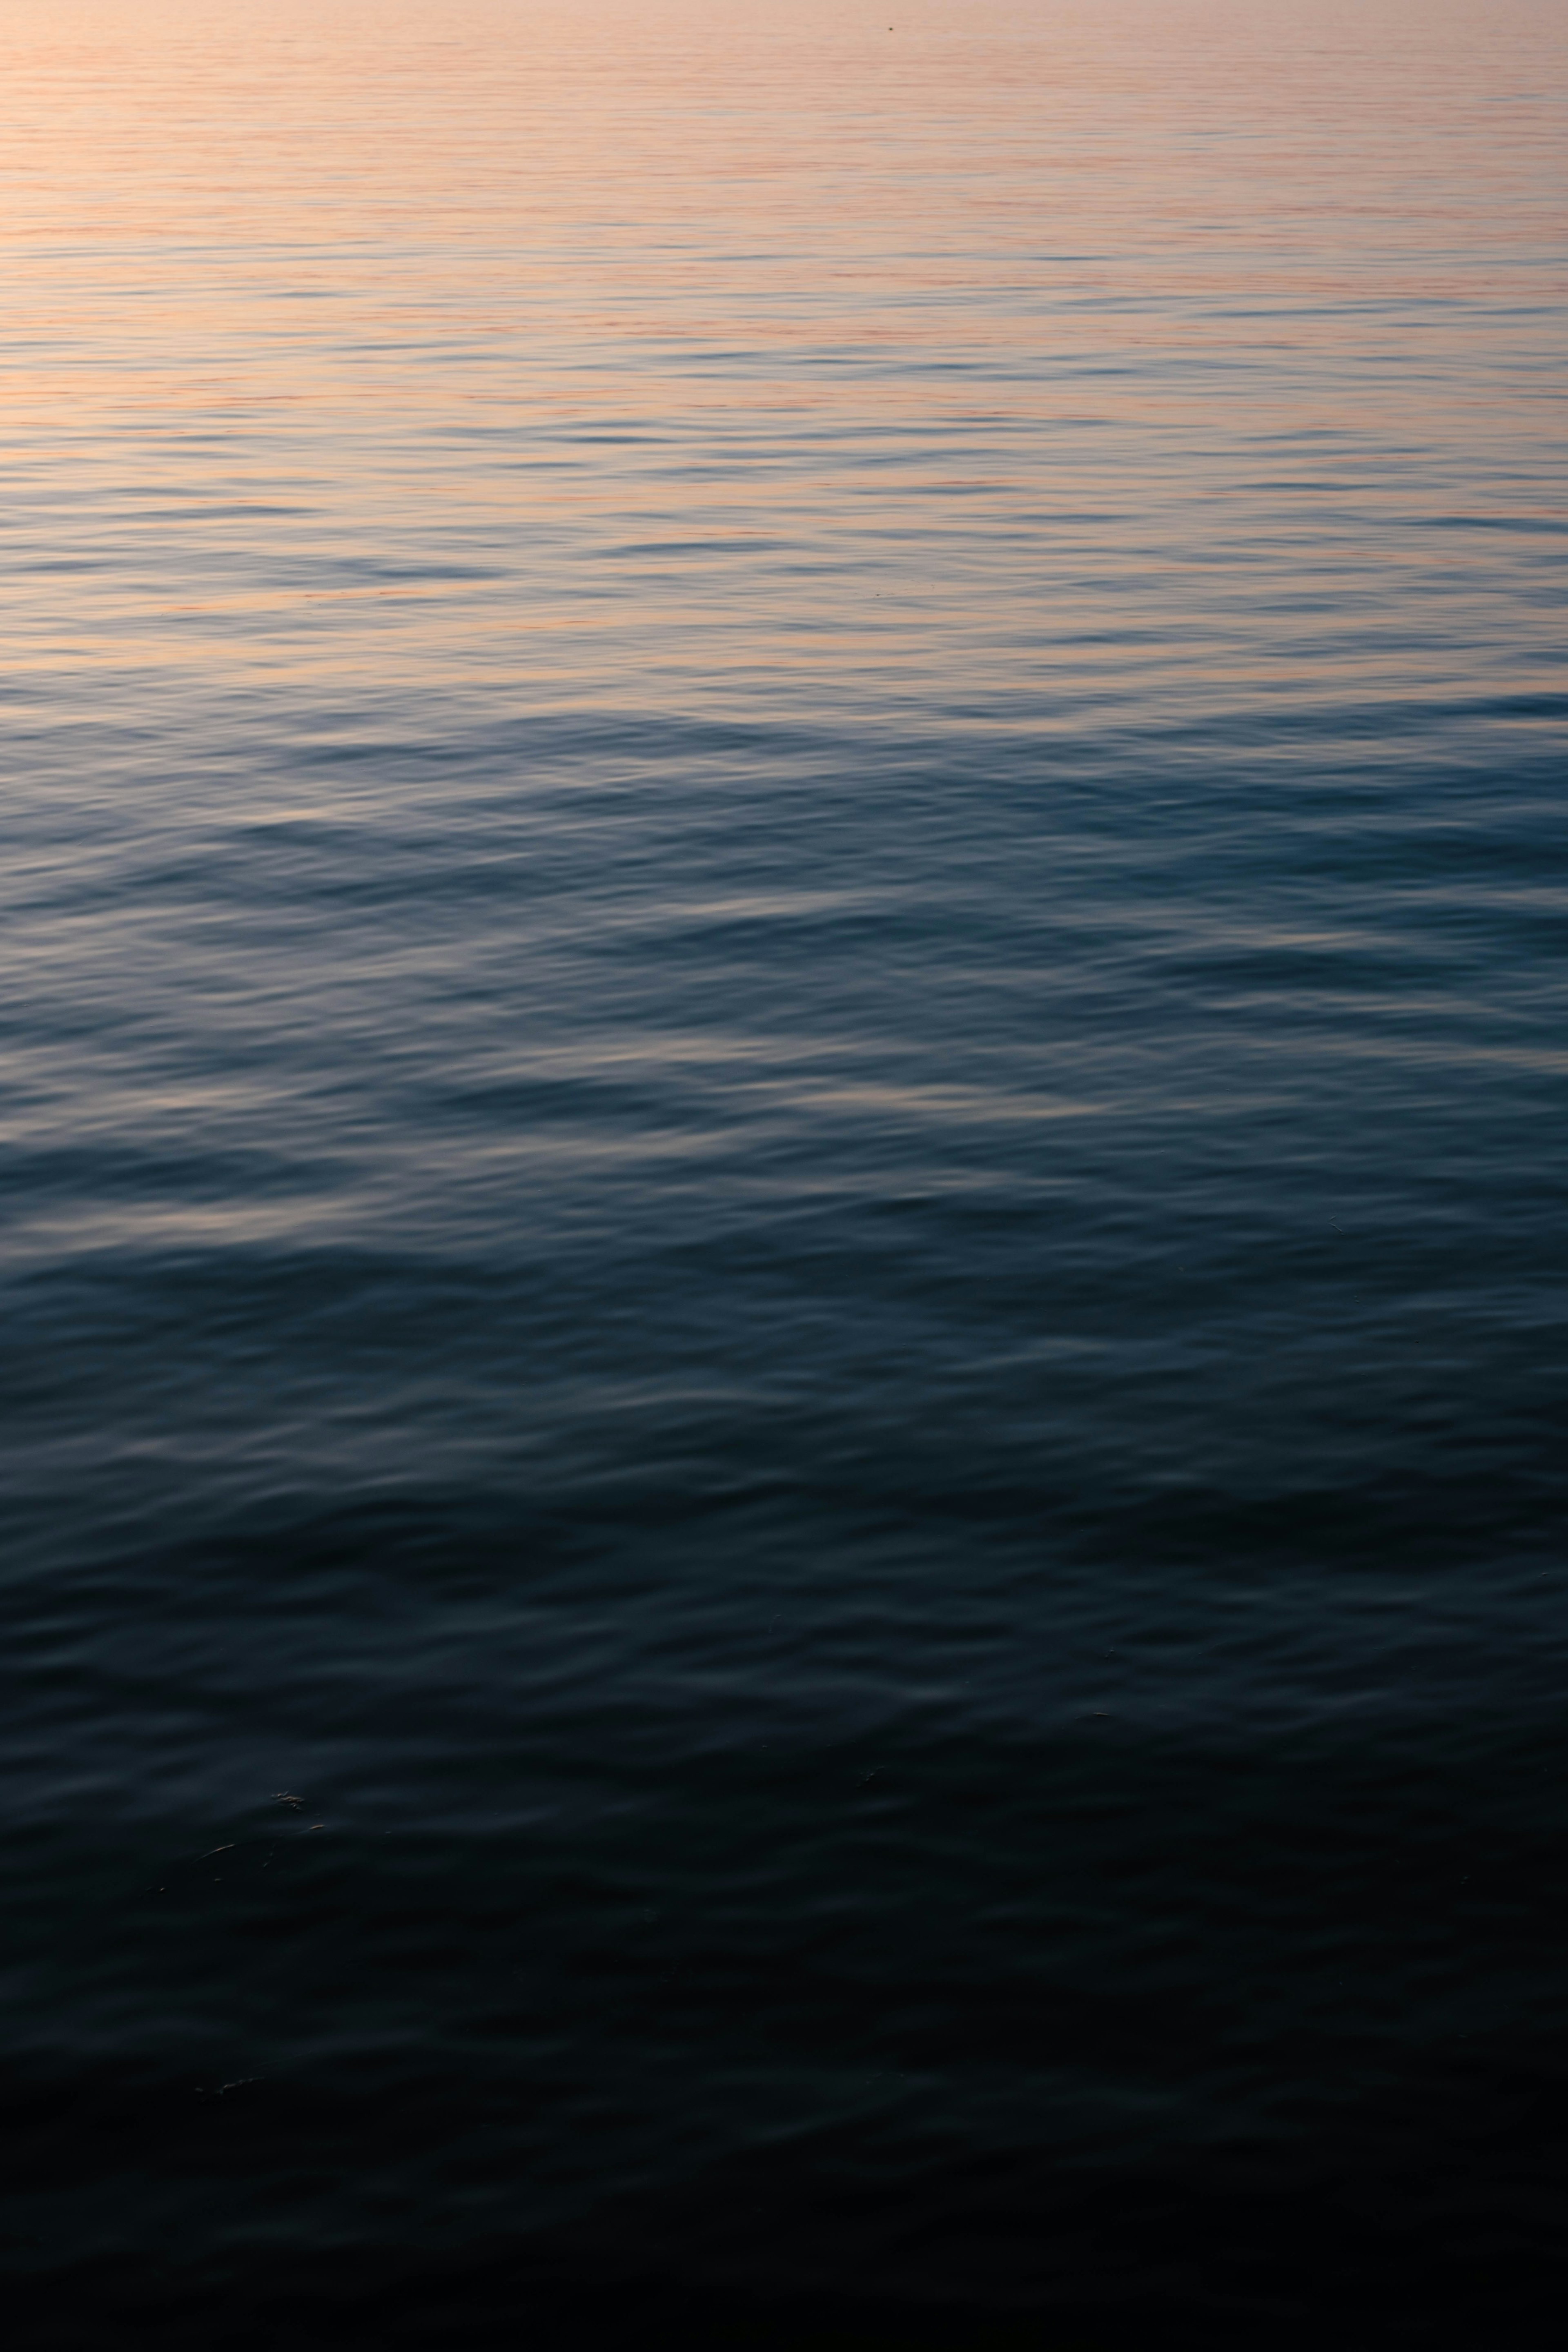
(690,355)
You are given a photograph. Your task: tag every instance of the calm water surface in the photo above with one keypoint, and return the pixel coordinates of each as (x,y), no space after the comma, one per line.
(783,1063)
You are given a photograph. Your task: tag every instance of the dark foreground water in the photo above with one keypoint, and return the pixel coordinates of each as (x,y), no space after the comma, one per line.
(784,1050)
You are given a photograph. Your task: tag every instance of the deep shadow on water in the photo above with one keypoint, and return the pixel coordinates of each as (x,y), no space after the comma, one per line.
(1099,2032)
(783,1054)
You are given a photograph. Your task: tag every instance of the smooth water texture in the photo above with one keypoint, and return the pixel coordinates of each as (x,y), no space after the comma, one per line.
(782,1067)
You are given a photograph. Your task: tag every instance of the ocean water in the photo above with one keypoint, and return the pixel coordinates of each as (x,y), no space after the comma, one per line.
(783,1070)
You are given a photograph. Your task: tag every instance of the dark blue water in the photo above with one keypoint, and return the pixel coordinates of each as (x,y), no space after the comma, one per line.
(783,1057)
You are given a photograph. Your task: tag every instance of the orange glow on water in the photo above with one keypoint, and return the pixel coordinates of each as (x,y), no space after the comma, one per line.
(575,293)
